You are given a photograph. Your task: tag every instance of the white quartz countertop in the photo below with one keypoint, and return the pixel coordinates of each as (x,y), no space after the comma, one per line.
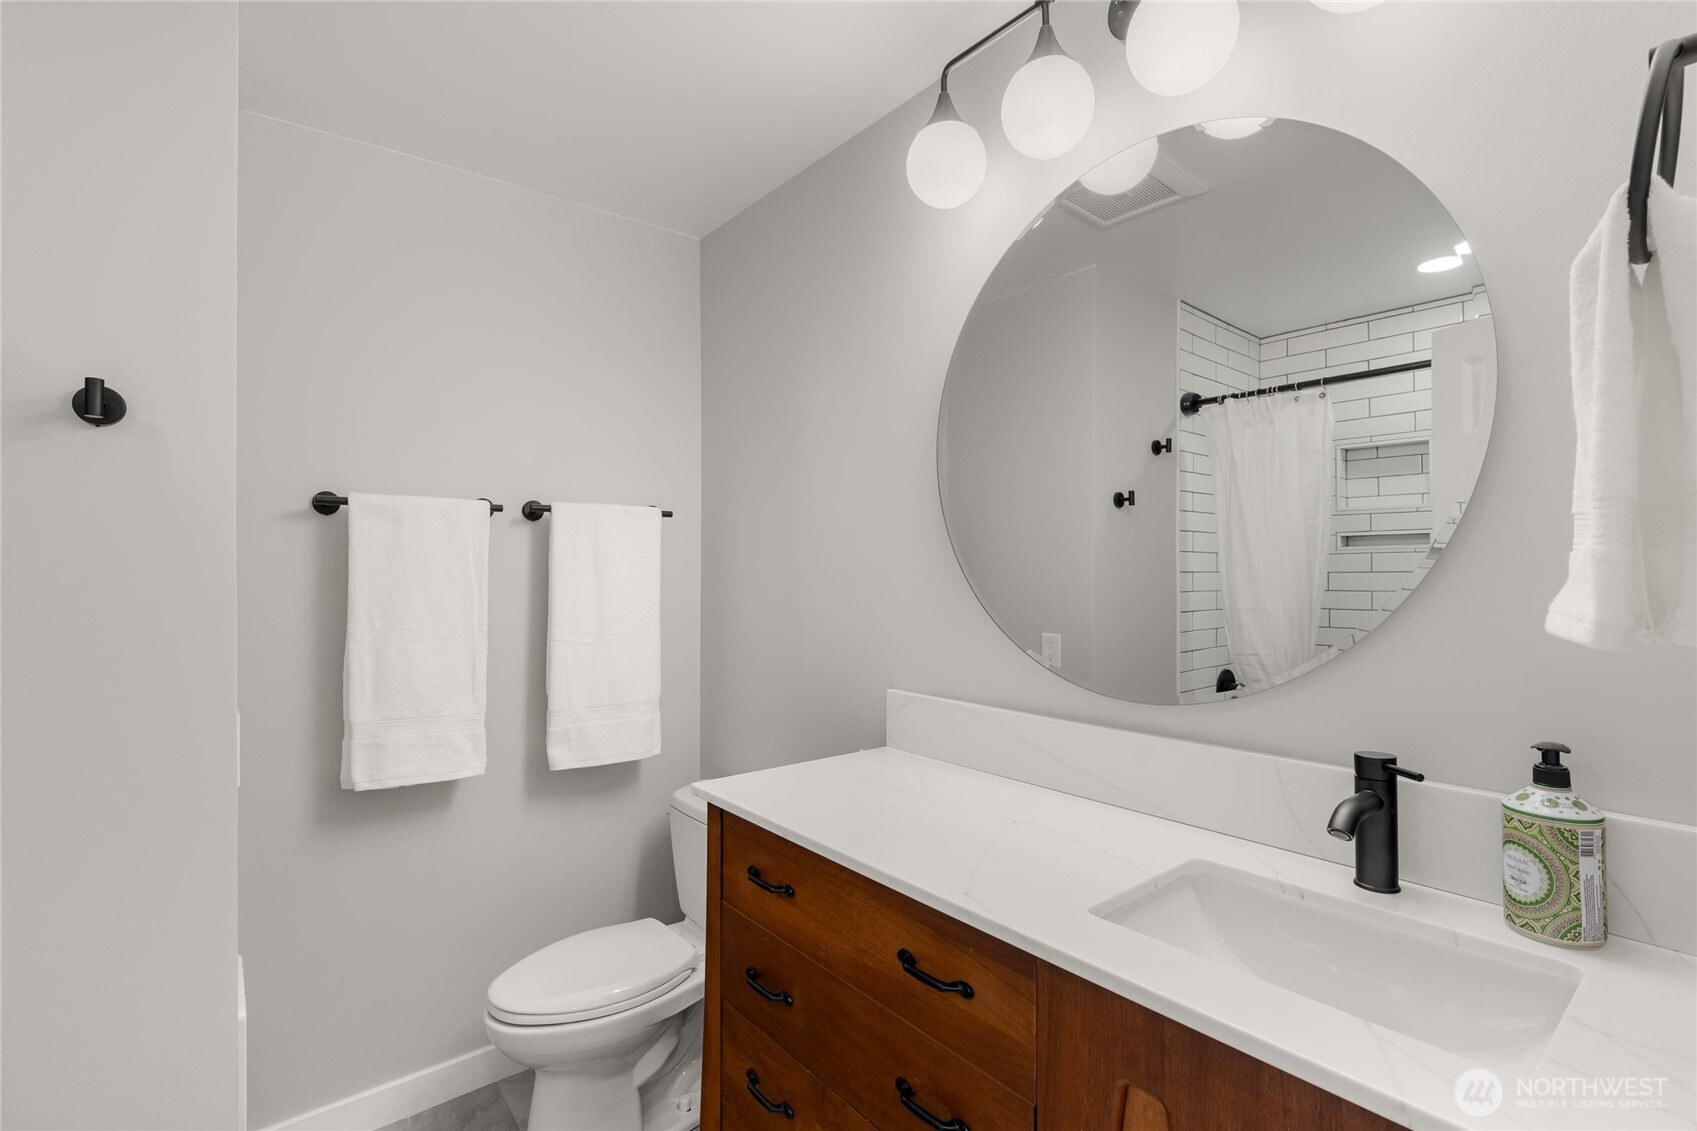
(1026,864)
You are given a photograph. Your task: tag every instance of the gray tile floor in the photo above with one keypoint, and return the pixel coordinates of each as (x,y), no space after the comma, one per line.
(501,1106)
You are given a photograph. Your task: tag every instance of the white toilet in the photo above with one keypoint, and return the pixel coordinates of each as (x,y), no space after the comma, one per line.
(611,1018)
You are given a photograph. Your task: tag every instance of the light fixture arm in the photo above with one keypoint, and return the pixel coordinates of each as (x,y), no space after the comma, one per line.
(1038,6)
(1119,17)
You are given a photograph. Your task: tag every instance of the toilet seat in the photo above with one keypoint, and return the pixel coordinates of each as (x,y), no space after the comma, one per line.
(593,974)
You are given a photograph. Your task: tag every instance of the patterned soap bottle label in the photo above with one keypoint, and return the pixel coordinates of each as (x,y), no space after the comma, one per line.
(1554,886)
(1526,877)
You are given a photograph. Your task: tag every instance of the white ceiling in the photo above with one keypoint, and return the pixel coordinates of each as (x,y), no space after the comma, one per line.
(677,114)
(1300,225)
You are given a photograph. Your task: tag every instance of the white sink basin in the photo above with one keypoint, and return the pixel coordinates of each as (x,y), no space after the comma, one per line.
(1452,991)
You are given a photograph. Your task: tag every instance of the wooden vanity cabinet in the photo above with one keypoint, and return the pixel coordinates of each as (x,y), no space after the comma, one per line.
(834,1003)
(1109,1064)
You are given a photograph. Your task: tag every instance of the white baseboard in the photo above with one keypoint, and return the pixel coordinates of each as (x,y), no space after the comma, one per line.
(384,1104)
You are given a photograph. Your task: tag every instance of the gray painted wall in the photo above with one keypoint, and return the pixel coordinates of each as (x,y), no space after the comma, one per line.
(410,328)
(830,309)
(120,569)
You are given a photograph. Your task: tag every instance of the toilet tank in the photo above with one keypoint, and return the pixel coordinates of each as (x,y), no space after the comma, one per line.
(689,854)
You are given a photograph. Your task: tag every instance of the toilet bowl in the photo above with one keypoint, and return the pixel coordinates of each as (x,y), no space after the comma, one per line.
(610,1018)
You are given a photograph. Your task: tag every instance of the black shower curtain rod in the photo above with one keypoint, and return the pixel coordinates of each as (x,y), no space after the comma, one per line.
(1191,403)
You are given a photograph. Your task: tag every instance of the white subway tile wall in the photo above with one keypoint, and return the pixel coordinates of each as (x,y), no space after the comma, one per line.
(1214,357)
(1382,427)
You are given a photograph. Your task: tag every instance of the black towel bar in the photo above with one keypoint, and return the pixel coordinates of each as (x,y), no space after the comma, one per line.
(328,502)
(534,510)
(1664,100)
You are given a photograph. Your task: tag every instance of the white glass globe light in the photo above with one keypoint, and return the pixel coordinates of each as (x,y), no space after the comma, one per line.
(1176,46)
(1123,171)
(1049,102)
(1233,129)
(946,162)
(1346,7)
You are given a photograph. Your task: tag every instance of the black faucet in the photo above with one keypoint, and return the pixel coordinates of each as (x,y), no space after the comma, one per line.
(1368,817)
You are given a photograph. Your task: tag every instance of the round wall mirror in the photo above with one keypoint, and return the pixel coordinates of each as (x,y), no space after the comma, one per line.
(1217,411)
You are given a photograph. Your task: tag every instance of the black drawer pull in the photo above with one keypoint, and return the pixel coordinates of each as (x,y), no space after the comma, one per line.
(784,890)
(752,976)
(906,1092)
(782,1109)
(910,964)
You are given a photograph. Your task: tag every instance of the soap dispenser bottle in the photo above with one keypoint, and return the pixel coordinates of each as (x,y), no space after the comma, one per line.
(1555,888)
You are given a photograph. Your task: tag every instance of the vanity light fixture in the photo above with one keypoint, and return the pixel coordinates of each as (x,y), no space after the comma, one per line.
(1050,101)
(1047,107)
(1441,263)
(1231,129)
(946,162)
(1176,46)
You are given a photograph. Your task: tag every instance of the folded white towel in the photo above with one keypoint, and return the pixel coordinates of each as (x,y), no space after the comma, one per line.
(603,635)
(1630,572)
(413,673)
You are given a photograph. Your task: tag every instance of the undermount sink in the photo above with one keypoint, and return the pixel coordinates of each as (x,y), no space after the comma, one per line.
(1452,991)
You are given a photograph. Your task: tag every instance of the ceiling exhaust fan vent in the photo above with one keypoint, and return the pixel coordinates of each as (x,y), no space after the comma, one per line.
(1167,182)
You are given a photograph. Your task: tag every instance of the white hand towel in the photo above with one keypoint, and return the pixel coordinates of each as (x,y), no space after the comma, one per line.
(603,635)
(1630,572)
(1672,574)
(413,673)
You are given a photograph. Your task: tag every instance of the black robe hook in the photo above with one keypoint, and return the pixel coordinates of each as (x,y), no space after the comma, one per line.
(95,404)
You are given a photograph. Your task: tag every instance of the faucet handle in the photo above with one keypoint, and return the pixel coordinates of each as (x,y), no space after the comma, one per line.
(1371,765)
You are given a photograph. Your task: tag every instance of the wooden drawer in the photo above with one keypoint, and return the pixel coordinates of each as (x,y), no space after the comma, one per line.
(812,1106)
(858,929)
(855,1046)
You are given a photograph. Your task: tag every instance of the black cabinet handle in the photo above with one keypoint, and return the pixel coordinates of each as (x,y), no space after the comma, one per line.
(784,890)
(752,976)
(905,1090)
(910,965)
(782,1109)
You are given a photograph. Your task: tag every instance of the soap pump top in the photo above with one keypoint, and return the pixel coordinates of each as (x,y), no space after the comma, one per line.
(1548,770)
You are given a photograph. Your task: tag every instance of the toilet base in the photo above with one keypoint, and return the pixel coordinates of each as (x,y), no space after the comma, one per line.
(598,1095)
(584,1100)
(584,1103)
(672,1100)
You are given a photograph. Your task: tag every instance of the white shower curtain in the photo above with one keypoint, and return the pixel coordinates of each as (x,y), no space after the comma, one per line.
(1272,460)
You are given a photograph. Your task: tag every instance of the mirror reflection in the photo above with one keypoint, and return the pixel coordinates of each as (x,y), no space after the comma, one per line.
(1217,411)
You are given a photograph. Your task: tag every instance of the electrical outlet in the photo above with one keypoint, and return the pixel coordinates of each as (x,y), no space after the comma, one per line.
(1051,649)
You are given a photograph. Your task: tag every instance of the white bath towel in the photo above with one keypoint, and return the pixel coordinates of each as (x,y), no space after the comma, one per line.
(413,672)
(603,635)
(1634,356)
